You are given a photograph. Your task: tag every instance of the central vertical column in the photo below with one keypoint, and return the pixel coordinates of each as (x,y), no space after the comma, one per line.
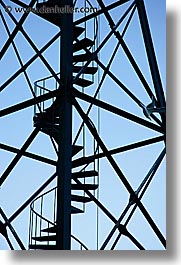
(65,143)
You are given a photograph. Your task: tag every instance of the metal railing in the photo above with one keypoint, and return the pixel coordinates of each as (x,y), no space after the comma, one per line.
(38,220)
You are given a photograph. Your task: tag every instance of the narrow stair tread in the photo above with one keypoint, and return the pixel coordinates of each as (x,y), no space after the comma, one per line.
(84,174)
(82,161)
(43,247)
(75,210)
(84,186)
(88,70)
(76,149)
(82,57)
(77,32)
(84,43)
(44,238)
(78,198)
(83,82)
(52,229)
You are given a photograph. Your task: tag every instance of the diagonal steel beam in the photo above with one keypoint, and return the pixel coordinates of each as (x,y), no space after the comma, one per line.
(34,48)
(118,150)
(106,212)
(18,156)
(117,111)
(19,59)
(149,176)
(151,54)
(128,22)
(15,31)
(107,70)
(30,61)
(15,75)
(149,179)
(28,103)
(118,171)
(97,202)
(103,42)
(20,243)
(123,87)
(126,50)
(98,89)
(28,155)
(135,241)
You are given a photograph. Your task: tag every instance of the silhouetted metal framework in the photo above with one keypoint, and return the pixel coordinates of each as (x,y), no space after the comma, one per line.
(56,121)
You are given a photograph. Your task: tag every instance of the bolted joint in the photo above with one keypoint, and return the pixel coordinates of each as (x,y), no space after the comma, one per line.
(133,198)
(123,230)
(117,34)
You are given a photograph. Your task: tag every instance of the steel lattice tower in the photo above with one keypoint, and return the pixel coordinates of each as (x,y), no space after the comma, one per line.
(77,167)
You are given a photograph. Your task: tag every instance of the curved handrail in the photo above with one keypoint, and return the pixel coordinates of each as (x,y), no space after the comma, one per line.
(41,195)
(82,244)
(35,212)
(48,221)
(42,217)
(45,78)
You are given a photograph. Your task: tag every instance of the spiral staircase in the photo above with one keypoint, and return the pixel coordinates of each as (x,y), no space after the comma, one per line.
(42,230)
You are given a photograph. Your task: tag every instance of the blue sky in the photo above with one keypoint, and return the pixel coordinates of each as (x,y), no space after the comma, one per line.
(28,175)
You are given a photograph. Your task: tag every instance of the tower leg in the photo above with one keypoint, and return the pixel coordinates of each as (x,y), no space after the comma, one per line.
(65,144)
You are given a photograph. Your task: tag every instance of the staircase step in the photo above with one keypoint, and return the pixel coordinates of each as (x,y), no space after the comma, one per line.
(52,229)
(84,186)
(55,134)
(76,149)
(82,161)
(83,82)
(82,57)
(89,70)
(43,247)
(77,32)
(85,174)
(84,43)
(44,238)
(78,198)
(75,210)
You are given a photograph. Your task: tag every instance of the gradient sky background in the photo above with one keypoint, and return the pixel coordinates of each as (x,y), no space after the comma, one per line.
(28,175)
